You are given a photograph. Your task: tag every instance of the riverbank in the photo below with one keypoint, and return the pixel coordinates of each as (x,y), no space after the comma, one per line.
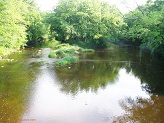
(6,51)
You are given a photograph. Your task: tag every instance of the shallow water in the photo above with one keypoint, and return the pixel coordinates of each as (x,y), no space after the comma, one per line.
(111,85)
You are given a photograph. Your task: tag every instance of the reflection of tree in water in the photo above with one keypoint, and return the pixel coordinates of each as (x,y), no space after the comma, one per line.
(95,74)
(150,71)
(15,85)
(87,76)
(91,75)
(141,110)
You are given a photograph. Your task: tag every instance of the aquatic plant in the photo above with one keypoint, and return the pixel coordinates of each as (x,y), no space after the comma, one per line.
(66,61)
(52,55)
(68,53)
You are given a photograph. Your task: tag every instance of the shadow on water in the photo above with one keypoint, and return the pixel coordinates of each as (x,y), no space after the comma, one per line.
(96,72)
(111,85)
(102,68)
(87,75)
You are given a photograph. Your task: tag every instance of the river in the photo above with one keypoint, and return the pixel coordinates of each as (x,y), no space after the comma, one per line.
(114,85)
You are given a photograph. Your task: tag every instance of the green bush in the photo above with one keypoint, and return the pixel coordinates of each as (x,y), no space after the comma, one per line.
(67,53)
(66,61)
(52,55)
(61,52)
(62,46)
(66,46)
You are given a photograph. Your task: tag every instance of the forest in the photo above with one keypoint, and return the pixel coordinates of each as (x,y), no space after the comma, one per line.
(88,23)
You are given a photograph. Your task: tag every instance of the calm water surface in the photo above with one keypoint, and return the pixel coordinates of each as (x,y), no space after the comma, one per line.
(114,85)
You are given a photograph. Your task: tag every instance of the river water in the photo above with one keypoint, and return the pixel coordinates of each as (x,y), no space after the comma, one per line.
(114,85)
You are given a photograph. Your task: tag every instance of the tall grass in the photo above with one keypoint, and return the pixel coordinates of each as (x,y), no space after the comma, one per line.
(67,53)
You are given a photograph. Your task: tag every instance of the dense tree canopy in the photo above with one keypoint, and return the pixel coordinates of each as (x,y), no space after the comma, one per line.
(12,29)
(20,21)
(86,21)
(146,26)
(35,26)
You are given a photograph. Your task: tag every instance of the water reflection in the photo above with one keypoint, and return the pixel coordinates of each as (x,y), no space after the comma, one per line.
(16,77)
(49,105)
(111,85)
(151,75)
(87,75)
(142,110)
(149,69)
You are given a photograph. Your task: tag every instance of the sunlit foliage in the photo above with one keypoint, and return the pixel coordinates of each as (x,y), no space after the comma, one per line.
(146,26)
(85,20)
(20,21)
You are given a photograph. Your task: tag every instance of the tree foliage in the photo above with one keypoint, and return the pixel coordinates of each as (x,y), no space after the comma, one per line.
(85,20)
(35,22)
(12,29)
(20,21)
(146,26)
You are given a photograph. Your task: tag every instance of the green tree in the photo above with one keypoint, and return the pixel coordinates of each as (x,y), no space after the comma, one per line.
(12,24)
(35,22)
(20,21)
(89,21)
(145,25)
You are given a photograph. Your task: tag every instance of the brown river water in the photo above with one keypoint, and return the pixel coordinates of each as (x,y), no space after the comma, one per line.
(114,85)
